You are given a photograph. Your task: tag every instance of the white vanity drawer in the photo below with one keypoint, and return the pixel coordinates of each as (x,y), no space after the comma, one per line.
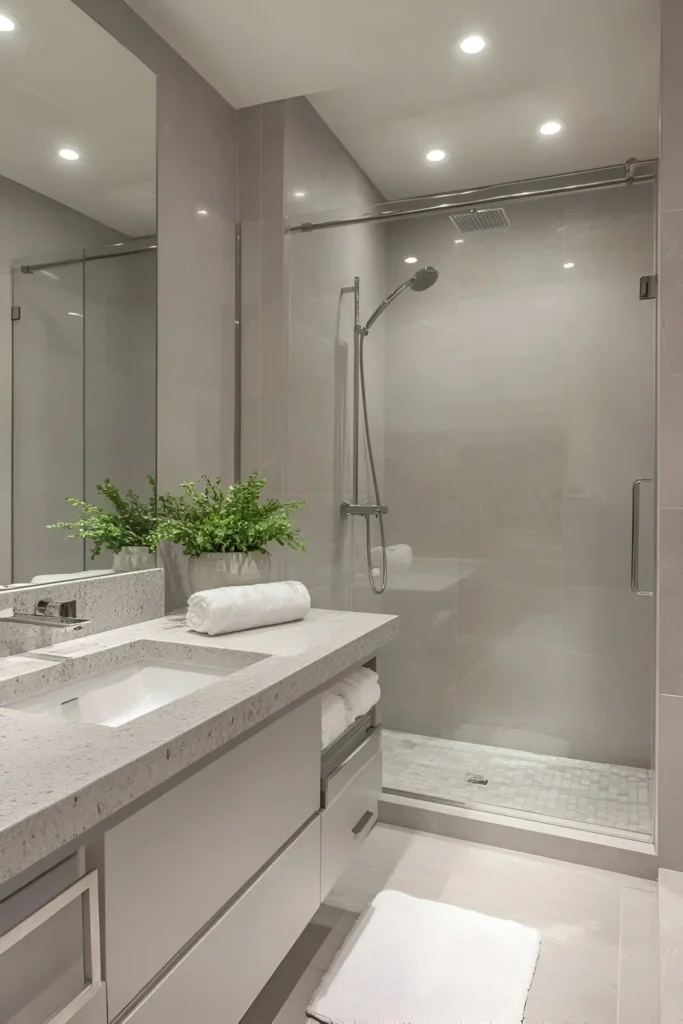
(347,821)
(169,868)
(337,780)
(50,957)
(219,978)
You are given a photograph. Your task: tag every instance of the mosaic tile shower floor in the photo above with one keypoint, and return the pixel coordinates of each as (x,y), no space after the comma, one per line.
(600,797)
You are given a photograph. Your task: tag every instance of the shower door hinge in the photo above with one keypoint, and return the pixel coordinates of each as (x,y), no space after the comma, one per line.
(648,286)
(16,312)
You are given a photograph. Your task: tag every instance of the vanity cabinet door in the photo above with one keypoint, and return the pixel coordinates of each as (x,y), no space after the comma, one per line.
(348,819)
(220,976)
(49,952)
(172,866)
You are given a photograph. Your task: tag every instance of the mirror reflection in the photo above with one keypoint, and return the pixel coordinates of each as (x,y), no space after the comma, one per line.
(78,262)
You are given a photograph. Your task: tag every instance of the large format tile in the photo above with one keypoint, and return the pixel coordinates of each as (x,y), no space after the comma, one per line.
(669,790)
(671,945)
(598,953)
(639,958)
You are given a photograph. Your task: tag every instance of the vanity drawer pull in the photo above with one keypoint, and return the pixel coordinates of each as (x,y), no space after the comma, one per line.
(362,822)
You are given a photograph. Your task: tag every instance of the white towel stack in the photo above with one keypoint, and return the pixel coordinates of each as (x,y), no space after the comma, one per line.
(335,718)
(358,691)
(228,609)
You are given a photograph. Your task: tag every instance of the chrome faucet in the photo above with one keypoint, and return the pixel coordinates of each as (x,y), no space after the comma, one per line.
(58,614)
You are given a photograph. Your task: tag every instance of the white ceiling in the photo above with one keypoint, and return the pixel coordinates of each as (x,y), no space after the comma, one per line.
(64,81)
(384,75)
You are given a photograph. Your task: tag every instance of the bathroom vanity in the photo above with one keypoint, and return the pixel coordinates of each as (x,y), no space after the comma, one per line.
(157,865)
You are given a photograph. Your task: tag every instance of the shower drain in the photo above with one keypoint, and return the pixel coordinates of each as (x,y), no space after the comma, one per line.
(476,780)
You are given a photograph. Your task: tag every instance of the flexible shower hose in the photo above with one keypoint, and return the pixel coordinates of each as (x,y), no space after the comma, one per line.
(377,589)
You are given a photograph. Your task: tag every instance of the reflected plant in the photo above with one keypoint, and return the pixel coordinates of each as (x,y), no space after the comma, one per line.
(132,521)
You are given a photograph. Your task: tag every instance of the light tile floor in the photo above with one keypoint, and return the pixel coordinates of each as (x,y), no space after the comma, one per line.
(598,963)
(671,939)
(605,797)
(599,952)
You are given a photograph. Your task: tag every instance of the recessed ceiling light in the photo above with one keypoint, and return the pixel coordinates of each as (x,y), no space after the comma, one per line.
(459,241)
(6,24)
(299,195)
(550,127)
(435,156)
(203,213)
(69,154)
(410,259)
(75,314)
(568,266)
(472,44)
(152,246)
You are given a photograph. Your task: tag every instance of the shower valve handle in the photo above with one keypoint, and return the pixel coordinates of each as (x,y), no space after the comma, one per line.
(363,510)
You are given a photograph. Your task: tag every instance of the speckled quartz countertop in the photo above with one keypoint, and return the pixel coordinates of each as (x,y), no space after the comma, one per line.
(60,779)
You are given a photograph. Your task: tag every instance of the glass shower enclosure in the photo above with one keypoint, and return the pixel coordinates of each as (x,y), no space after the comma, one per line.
(513,417)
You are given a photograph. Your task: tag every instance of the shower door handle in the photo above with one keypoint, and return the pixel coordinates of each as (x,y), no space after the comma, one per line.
(635,536)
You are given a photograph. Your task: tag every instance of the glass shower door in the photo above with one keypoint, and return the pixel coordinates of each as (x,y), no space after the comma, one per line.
(519,412)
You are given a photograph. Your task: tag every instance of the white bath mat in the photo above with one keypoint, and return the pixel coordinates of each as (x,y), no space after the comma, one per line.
(411,961)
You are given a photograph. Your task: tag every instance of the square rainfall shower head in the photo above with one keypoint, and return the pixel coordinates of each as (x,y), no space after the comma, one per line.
(480,220)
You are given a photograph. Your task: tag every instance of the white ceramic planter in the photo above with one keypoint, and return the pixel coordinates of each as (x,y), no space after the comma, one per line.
(213,570)
(131,558)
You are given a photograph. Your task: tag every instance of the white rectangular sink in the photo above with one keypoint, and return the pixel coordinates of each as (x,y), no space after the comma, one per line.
(119,695)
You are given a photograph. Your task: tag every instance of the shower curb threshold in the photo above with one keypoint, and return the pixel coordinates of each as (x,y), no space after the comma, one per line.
(592,849)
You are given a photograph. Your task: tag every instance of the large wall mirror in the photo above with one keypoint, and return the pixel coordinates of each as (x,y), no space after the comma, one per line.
(78,271)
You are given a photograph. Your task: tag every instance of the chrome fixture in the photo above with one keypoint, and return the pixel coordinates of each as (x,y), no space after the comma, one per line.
(631,172)
(58,614)
(480,220)
(30,268)
(635,536)
(419,282)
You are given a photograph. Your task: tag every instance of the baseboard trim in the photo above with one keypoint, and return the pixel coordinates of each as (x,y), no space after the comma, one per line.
(593,849)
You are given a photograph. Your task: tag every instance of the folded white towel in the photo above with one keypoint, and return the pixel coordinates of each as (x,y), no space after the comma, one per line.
(399,556)
(228,609)
(359,690)
(335,718)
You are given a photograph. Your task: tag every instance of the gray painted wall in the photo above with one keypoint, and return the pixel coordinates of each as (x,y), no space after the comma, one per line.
(297,335)
(196,170)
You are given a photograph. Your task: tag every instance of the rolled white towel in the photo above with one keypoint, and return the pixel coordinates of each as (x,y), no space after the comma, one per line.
(360,691)
(335,718)
(228,609)
(399,556)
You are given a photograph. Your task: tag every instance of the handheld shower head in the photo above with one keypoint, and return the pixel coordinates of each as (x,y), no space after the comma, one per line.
(419,282)
(424,279)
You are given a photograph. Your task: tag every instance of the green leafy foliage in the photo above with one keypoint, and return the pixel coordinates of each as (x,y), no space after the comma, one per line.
(233,520)
(131,522)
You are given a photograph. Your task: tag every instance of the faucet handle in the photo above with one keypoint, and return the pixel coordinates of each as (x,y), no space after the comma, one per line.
(57,609)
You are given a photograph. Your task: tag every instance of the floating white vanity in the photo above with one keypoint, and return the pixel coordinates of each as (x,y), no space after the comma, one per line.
(168,826)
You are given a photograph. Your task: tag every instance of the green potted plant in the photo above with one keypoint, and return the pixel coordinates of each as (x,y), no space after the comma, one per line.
(226,532)
(128,528)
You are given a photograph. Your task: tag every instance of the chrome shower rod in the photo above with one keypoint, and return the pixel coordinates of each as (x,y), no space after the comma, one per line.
(630,173)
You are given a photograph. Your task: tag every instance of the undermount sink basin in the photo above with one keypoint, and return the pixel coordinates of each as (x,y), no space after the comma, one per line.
(122,694)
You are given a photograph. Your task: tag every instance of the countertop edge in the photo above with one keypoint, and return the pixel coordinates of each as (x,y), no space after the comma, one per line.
(42,832)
